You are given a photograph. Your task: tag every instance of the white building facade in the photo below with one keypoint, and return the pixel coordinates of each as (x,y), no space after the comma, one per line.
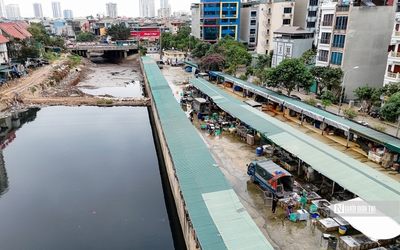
(68,14)
(56,7)
(146,8)
(111,10)
(12,11)
(37,10)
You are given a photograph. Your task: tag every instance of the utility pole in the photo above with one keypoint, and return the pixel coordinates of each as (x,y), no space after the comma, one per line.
(160,44)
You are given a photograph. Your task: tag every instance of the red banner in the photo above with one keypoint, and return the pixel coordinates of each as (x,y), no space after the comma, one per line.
(145,33)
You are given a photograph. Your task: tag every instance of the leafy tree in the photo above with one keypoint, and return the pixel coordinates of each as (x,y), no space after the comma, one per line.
(289,73)
(327,98)
(23,49)
(243,77)
(142,50)
(366,94)
(263,61)
(213,62)
(311,101)
(326,77)
(391,109)
(249,71)
(58,42)
(119,31)
(201,49)
(308,56)
(39,33)
(85,37)
(390,89)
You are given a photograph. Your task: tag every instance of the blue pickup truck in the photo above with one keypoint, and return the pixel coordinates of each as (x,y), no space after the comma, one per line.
(271,176)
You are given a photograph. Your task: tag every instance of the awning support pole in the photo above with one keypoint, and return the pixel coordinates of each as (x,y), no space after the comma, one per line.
(298,170)
(333,187)
(302,118)
(348,139)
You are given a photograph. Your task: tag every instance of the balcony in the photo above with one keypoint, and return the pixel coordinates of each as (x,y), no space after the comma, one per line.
(265,43)
(322,58)
(342,8)
(327,23)
(267,24)
(269,1)
(397,33)
(395,54)
(393,75)
(267,13)
(265,33)
(324,41)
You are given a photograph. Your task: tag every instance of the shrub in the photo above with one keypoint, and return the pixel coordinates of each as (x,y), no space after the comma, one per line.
(379,127)
(350,113)
(311,101)
(243,77)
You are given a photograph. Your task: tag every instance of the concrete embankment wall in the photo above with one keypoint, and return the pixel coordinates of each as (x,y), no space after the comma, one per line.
(186,225)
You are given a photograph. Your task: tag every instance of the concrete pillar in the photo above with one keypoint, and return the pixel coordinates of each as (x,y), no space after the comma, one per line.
(88,55)
(125,54)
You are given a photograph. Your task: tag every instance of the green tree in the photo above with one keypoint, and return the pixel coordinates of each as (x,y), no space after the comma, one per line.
(23,49)
(249,71)
(85,37)
(243,77)
(263,61)
(366,95)
(142,50)
(390,89)
(58,42)
(119,31)
(349,113)
(308,56)
(326,77)
(39,33)
(201,49)
(391,110)
(327,98)
(289,73)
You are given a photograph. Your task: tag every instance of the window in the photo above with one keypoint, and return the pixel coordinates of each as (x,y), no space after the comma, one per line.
(252,40)
(327,21)
(313,2)
(253,14)
(288,51)
(341,23)
(336,58)
(280,49)
(287,10)
(267,32)
(253,22)
(310,24)
(338,41)
(312,13)
(323,55)
(325,38)
(252,31)
(286,21)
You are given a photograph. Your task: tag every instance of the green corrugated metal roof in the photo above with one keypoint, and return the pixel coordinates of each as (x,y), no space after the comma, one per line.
(349,173)
(203,185)
(388,141)
(191,64)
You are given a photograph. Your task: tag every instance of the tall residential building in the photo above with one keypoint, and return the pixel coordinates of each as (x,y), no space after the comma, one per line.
(164,4)
(111,10)
(146,8)
(195,9)
(275,14)
(68,14)
(392,74)
(2,9)
(248,24)
(56,6)
(12,11)
(37,10)
(218,19)
(350,36)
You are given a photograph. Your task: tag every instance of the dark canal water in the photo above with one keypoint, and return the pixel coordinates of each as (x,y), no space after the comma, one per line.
(84,178)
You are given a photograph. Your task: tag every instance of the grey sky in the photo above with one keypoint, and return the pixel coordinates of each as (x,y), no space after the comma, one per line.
(128,8)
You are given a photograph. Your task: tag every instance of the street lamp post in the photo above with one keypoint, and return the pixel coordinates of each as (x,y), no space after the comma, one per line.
(341,92)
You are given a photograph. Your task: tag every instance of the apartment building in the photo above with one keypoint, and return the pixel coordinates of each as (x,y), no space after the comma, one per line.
(356,34)
(273,15)
(219,18)
(392,73)
(311,22)
(195,10)
(248,24)
(290,42)
(37,10)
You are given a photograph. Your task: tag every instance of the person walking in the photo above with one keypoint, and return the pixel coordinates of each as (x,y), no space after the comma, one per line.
(274,203)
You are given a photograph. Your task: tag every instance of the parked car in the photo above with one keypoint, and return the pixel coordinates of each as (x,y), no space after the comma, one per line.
(160,64)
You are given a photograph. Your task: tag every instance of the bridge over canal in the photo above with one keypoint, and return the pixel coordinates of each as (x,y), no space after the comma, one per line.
(109,50)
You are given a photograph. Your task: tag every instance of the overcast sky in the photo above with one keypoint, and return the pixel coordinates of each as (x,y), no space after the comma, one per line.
(129,8)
